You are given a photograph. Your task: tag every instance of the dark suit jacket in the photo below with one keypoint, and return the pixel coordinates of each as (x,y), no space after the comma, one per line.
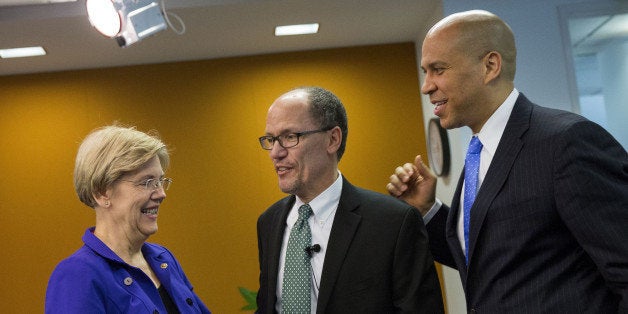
(377,258)
(549,226)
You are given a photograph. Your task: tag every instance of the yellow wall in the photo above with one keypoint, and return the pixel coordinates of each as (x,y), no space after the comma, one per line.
(210,113)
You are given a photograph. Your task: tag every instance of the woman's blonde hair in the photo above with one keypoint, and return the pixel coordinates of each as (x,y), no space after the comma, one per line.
(109,152)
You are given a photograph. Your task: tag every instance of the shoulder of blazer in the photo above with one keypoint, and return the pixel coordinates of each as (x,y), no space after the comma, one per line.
(527,115)
(520,117)
(287,201)
(280,207)
(353,197)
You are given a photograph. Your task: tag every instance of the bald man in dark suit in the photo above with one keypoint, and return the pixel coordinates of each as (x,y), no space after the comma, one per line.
(547,231)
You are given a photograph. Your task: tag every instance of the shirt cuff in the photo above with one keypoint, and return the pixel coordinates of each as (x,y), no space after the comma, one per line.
(437,205)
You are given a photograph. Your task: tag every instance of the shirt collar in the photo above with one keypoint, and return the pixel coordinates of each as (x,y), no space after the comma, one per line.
(99,247)
(323,204)
(492,131)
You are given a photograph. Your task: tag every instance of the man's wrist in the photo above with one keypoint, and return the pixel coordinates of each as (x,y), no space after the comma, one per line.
(432,211)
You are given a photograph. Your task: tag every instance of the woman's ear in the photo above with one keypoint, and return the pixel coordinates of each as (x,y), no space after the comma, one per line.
(102,200)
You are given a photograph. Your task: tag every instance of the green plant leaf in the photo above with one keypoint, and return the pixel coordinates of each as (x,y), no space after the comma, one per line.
(250,297)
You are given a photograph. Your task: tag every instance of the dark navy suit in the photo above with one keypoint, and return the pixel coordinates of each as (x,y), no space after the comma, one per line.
(549,226)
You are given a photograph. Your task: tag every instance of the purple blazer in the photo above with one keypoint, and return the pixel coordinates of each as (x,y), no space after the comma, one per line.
(95,280)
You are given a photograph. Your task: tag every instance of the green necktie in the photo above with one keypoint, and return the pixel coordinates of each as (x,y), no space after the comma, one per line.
(297,278)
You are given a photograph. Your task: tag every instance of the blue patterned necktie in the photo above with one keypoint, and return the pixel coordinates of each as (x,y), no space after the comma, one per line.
(471,171)
(297,278)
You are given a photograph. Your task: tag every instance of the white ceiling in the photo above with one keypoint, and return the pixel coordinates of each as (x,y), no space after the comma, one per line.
(214,29)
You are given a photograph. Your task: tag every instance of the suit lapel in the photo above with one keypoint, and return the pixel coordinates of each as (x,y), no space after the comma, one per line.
(346,223)
(452,229)
(509,147)
(276,240)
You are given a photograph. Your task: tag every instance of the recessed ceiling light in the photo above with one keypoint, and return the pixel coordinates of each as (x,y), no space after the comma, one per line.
(22,52)
(300,29)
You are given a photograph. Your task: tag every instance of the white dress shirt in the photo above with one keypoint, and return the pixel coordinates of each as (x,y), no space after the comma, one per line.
(324,207)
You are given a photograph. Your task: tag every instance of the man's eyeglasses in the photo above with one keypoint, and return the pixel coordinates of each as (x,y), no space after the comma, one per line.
(153,184)
(286,140)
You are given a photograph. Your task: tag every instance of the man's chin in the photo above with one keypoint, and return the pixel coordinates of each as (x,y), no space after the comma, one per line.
(287,188)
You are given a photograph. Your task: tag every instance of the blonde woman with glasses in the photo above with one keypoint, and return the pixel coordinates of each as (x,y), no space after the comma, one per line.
(119,172)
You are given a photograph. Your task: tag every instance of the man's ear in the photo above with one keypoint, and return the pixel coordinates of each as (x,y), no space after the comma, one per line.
(335,138)
(493,66)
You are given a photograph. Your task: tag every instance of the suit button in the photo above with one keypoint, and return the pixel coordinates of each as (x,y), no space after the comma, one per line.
(473,311)
(189,301)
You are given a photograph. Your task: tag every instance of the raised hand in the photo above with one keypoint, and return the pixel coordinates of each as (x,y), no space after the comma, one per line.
(415,184)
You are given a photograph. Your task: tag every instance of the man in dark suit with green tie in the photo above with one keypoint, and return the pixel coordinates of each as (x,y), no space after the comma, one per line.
(364,252)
